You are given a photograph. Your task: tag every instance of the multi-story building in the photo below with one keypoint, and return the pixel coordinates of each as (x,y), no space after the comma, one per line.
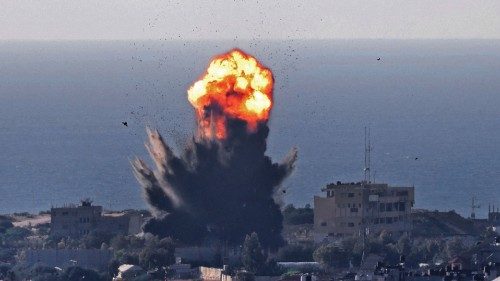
(80,220)
(353,209)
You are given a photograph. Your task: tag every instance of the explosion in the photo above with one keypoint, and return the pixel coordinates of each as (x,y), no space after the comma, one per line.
(234,86)
(223,186)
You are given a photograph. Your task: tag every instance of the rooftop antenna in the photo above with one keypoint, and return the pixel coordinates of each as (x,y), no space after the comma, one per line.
(368,149)
(473,207)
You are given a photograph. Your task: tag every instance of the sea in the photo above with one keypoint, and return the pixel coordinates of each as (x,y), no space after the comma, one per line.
(432,107)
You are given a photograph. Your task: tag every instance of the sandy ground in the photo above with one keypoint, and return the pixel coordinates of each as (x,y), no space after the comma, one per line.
(34,221)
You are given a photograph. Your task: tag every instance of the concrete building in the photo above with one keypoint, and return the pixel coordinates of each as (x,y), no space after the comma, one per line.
(353,209)
(87,258)
(74,221)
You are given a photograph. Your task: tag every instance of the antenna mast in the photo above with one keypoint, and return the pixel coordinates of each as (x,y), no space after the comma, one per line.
(368,149)
(473,207)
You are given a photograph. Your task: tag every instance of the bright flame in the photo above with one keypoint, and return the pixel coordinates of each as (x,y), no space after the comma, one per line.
(236,86)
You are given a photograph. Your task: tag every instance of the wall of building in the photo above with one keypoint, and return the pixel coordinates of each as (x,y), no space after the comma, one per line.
(86,258)
(211,273)
(135,224)
(74,221)
(205,254)
(114,224)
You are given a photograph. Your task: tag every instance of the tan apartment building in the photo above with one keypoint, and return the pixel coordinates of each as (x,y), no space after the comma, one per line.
(354,209)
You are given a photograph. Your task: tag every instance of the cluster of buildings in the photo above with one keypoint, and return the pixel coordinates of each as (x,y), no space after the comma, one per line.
(76,221)
(345,210)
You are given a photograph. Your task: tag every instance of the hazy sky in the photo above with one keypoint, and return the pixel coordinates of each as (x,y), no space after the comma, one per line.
(196,19)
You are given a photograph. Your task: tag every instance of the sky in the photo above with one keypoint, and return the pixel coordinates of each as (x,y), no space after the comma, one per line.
(252,20)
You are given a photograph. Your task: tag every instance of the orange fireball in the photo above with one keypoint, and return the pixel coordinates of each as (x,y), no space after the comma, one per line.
(236,86)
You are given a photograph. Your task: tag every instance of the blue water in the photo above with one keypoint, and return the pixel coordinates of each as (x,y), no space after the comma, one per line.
(62,104)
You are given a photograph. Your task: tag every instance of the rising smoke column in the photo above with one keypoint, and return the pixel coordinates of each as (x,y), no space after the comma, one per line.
(222,186)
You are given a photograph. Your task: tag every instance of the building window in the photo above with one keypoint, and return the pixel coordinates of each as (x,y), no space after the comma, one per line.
(351,224)
(388,207)
(395,219)
(323,224)
(64,213)
(388,220)
(402,206)
(382,220)
(354,210)
(375,221)
(382,207)
(350,195)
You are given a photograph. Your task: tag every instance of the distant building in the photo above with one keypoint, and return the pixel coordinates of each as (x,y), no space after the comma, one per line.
(129,272)
(493,216)
(80,220)
(206,254)
(87,258)
(353,209)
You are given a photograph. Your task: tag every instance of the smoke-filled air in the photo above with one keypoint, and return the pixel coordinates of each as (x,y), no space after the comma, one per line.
(222,186)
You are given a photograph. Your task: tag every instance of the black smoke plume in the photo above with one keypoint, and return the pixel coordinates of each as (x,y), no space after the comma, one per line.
(217,189)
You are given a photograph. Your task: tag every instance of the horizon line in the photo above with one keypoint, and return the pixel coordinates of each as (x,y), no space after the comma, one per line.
(246,40)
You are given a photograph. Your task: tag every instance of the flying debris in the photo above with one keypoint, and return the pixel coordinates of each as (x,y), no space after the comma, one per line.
(378,58)
(222,186)
(125,124)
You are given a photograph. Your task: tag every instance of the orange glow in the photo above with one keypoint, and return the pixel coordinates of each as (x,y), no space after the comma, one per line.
(235,85)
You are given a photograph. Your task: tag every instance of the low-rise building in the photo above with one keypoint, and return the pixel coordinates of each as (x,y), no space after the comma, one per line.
(354,209)
(127,272)
(74,221)
(97,259)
